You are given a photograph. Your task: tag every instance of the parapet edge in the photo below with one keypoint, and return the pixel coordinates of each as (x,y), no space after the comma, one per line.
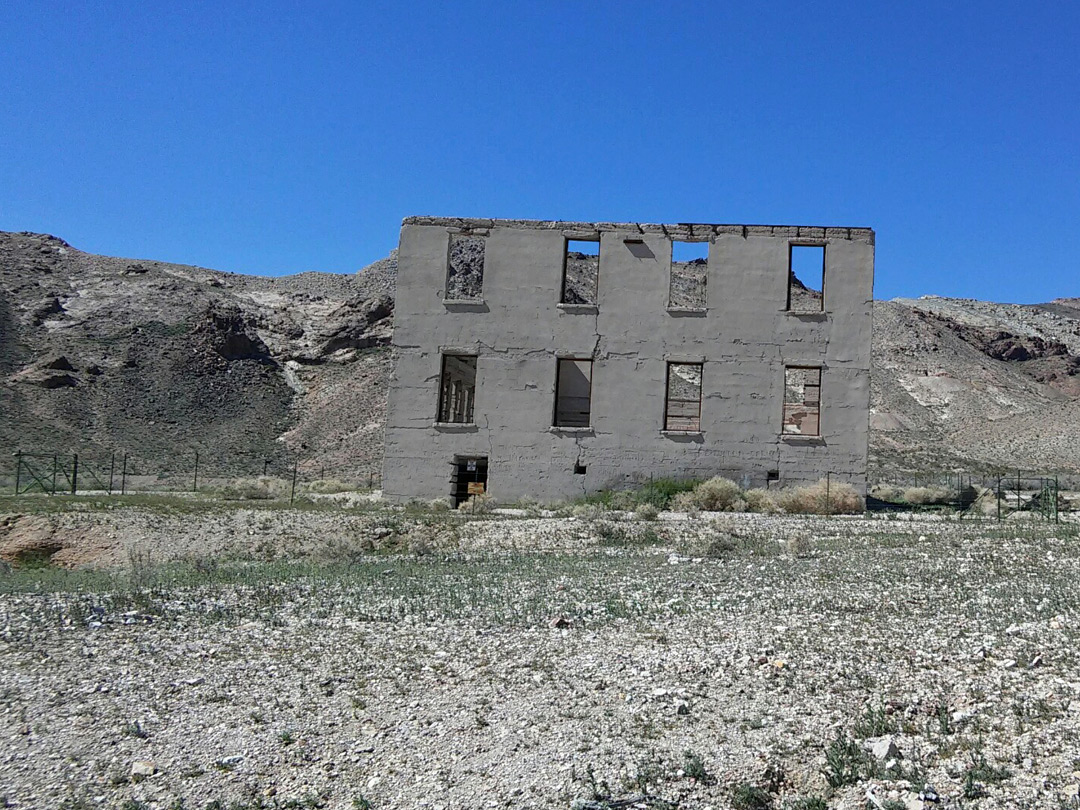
(689,231)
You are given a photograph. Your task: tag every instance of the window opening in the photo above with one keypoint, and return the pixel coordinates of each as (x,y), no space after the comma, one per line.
(581,271)
(579,468)
(457,388)
(468,479)
(465,267)
(806,278)
(802,401)
(683,408)
(573,393)
(689,267)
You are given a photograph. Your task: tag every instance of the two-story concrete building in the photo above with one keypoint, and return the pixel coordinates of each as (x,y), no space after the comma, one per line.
(550,359)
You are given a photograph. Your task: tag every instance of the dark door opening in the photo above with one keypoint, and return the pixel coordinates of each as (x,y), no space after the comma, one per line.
(469,478)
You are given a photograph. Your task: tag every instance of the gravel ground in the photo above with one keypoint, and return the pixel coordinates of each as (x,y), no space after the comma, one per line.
(721,661)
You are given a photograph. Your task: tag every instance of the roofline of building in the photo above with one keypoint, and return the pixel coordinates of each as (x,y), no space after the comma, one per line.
(692,231)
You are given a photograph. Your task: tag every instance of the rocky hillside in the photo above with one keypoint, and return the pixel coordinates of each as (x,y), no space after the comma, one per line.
(159,360)
(975,385)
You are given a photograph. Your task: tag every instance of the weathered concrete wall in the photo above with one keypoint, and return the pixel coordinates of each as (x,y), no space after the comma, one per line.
(744,337)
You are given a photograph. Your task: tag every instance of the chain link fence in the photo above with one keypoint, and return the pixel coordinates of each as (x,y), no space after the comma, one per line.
(240,475)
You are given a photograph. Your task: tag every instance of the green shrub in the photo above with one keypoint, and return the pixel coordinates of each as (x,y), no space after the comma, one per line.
(745,796)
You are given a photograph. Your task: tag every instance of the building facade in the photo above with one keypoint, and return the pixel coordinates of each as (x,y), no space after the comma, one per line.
(547,360)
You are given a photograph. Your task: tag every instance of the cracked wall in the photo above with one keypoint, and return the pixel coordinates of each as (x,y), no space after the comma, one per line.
(518,330)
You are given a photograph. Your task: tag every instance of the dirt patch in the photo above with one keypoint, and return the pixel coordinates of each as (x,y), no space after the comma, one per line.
(29,541)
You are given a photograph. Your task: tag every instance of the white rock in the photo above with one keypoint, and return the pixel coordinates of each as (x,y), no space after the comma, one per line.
(143,768)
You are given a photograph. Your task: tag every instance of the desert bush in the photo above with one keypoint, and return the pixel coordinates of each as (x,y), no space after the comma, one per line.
(822,498)
(588,511)
(798,545)
(660,492)
(262,488)
(923,496)
(647,511)
(727,545)
(888,493)
(759,500)
(439,505)
(329,486)
(685,502)
(477,504)
(715,495)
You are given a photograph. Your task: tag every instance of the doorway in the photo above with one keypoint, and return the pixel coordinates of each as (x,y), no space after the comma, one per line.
(469,478)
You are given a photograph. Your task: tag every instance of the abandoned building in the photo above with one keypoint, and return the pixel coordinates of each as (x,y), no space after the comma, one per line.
(546,360)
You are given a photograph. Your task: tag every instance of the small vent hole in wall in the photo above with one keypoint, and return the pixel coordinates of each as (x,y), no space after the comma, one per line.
(579,468)
(772,475)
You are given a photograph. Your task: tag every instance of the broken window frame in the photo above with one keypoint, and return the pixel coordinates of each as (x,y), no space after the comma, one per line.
(704,293)
(563,423)
(452,294)
(694,423)
(456,404)
(792,246)
(791,427)
(565,260)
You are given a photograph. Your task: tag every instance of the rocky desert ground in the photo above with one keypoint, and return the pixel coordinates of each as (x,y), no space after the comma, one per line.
(200,654)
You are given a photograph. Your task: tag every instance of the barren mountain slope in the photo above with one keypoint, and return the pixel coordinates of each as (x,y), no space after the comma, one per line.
(975,385)
(158,359)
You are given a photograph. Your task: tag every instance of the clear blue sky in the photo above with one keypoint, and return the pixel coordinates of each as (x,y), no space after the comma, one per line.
(276,137)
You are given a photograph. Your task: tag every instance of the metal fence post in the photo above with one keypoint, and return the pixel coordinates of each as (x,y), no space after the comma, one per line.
(195,477)
(112,470)
(53,487)
(123,477)
(18,469)
(292,493)
(74,473)
(828,502)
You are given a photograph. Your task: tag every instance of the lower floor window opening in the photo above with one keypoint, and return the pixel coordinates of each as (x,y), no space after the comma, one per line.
(682,411)
(457,388)
(802,401)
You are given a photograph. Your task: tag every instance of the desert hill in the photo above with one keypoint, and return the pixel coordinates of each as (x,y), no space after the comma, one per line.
(158,360)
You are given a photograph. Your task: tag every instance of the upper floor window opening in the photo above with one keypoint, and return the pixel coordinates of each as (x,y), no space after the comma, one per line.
(465,267)
(689,271)
(581,271)
(806,278)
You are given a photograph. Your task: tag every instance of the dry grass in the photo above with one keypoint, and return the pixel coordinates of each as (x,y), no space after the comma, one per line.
(822,498)
(923,496)
(477,504)
(263,488)
(723,495)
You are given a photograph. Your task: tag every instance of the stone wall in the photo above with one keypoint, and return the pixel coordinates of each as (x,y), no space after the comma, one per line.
(518,329)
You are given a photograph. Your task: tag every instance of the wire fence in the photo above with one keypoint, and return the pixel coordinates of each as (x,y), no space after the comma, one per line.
(242,475)
(979,495)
